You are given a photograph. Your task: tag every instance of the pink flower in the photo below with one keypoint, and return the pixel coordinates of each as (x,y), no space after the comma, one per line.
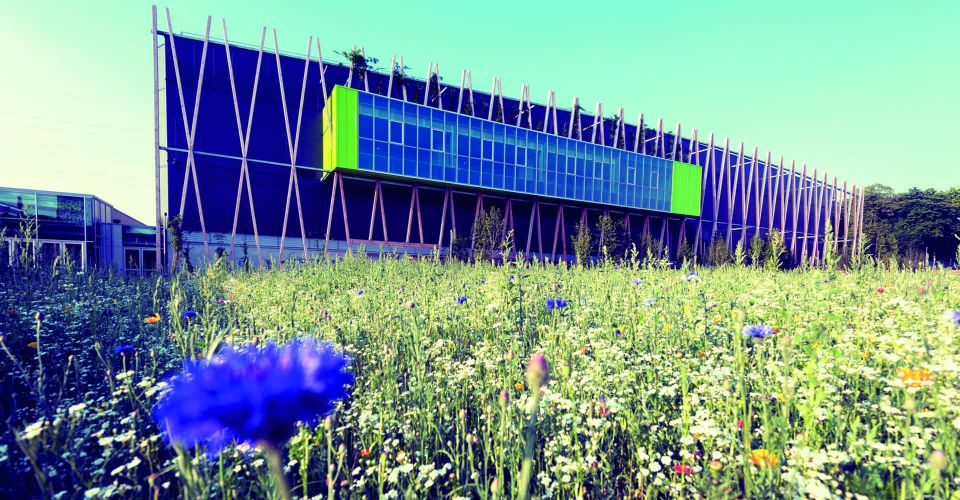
(682,469)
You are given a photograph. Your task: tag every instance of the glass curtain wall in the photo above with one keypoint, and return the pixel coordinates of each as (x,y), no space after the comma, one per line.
(410,140)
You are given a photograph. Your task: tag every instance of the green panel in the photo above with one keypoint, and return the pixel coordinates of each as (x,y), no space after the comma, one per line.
(685,193)
(340,139)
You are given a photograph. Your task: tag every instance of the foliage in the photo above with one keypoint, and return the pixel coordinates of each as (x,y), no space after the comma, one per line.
(727,382)
(460,248)
(611,245)
(718,254)
(581,244)
(685,252)
(487,234)
(915,223)
(774,251)
(180,251)
(756,251)
(359,63)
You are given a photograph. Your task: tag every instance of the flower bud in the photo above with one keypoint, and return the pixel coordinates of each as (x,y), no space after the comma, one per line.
(538,372)
(938,460)
(910,404)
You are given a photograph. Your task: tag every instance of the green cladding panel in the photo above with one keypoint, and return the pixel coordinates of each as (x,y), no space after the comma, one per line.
(340,140)
(685,194)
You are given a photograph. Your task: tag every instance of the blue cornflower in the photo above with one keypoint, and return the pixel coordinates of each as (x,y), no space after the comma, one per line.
(483,282)
(123,349)
(649,302)
(253,396)
(510,277)
(190,314)
(757,331)
(952,317)
(359,292)
(691,275)
(637,281)
(461,299)
(556,303)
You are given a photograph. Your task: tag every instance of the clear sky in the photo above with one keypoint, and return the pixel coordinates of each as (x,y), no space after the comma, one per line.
(868,90)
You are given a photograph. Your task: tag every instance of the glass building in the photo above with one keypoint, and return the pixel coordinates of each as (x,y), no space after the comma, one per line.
(264,154)
(49,227)
(396,138)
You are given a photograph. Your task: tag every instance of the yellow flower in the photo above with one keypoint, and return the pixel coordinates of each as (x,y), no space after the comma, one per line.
(763,458)
(152,319)
(518,386)
(914,377)
(32,345)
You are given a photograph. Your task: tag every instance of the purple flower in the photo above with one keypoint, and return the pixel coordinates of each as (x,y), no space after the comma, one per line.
(253,396)
(637,281)
(190,314)
(123,349)
(757,331)
(691,275)
(649,302)
(952,317)
(461,299)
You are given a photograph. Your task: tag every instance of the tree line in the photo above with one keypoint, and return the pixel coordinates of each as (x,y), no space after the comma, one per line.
(918,225)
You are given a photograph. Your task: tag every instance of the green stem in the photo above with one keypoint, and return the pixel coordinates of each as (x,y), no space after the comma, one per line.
(526,470)
(276,469)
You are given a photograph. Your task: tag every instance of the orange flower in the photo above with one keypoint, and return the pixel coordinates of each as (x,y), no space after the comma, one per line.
(518,386)
(152,319)
(365,452)
(914,377)
(32,345)
(776,330)
(762,458)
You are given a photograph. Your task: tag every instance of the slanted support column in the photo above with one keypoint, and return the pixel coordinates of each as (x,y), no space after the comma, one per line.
(414,208)
(337,186)
(476,215)
(244,137)
(293,142)
(559,231)
(190,127)
(378,202)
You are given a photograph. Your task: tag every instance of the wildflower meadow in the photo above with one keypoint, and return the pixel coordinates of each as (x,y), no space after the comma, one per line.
(397,377)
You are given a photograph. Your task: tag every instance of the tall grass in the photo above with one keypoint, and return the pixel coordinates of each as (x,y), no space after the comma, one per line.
(642,400)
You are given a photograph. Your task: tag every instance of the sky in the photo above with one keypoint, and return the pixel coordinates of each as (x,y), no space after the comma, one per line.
(865,90)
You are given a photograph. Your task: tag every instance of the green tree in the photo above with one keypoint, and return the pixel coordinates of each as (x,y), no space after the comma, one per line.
(756,251)
(581,244)
(774,251)
(487,234)
(718,254)
(610,238)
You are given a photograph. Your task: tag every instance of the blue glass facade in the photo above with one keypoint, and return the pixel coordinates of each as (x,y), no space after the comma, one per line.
(404,139)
